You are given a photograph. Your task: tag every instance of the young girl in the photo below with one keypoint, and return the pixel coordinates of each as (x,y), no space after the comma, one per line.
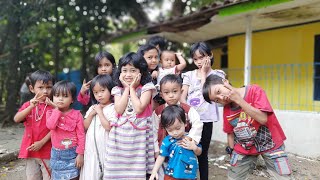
(36,144)
(151,55)
(67,133)
(192,95)
(104,63)
(130,147)
(97,123)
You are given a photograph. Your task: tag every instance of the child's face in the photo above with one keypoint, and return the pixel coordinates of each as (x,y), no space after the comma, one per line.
(171,92)
(129,73)
(105,66)
(63,101)
(199,59)
(168,60)
(101,94)
(177,130)
(218,94)
(43,89)
(152,58)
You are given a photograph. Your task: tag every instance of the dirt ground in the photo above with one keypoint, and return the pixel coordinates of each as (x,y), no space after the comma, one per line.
(303,168)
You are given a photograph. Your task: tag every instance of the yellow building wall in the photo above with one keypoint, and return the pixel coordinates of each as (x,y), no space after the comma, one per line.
(282,63)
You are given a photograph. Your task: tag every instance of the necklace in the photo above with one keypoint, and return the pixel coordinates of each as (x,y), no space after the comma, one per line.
(39,117)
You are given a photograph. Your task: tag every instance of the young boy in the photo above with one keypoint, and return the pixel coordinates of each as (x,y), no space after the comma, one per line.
(36,144)
(168,64)
(251,126)
(179,148)
(170,91)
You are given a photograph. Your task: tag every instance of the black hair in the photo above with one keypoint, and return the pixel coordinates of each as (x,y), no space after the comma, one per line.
(147,47)
(99,56)
(211,80)
(170,114)
(63,87)
(39,75)
(104,80)
(137,61)
(158,41)
(203,49)
(173,78)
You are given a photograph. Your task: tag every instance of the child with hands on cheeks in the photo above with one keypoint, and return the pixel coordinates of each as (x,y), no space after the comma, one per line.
(131,142)
(104,63)
(251,126)
(36,144)
(67,133)
(180,149)
(97,123)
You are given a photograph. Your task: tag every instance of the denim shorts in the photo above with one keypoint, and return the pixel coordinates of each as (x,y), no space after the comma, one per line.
(63,165)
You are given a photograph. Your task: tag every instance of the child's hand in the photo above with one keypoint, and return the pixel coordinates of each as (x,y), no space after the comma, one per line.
(98,109)
(93,112)
(79,161)
(233,94)
(50,103)
(154,176)
(34,101)
(188,143)
(136,81)
(154,74)
(85,87)
(178,54)
(206,66)
(123,82)
(36,146)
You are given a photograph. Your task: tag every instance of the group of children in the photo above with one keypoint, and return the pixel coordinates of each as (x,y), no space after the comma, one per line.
(145,121)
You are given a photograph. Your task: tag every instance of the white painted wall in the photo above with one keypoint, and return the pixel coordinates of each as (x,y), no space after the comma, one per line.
(301,128)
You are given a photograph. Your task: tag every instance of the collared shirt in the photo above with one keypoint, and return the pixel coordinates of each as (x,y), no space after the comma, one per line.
(35,131)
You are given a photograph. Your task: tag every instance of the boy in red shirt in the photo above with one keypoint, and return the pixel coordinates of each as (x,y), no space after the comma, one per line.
(251,126)
(36,144)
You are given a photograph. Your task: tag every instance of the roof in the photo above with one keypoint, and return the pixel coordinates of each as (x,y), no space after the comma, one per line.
(228,18)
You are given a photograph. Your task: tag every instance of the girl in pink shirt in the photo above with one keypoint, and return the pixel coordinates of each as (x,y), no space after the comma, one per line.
(104,63)
(67,133)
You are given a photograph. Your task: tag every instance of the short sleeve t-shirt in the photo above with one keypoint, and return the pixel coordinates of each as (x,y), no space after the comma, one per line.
(183,163)
(250,136)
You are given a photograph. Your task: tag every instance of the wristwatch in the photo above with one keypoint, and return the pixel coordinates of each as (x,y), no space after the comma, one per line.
(229,150)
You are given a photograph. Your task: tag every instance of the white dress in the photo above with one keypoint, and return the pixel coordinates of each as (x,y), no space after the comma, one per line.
(91,169)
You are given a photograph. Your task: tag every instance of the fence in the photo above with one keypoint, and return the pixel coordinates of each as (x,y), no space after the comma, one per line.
(288,86)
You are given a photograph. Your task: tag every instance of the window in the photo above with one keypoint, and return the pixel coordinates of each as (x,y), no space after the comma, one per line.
(316,92)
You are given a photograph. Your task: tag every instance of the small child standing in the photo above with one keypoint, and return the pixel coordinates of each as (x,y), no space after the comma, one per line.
(130,147)
(97,123)
(67,133)
(36,144)
(180,149)
(104,63)
(168,64)
(252,128)
(192,95)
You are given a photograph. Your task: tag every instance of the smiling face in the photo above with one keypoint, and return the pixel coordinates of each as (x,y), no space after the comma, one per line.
(177,129)
(101,94)
(168,59)
(152,58)
(105,66)
(129,73)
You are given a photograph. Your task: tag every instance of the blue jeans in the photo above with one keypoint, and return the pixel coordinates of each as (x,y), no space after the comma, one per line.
(63,165)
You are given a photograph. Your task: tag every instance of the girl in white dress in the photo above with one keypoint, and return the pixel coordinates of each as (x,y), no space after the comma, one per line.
(97,123)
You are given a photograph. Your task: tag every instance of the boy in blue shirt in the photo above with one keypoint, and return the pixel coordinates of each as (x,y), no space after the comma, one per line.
(181,150)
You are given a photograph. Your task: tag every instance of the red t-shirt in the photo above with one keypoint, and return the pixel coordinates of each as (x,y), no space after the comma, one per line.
(257,98)
(35,131)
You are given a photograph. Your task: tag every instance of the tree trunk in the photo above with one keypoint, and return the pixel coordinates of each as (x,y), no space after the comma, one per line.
(136,11)
(12,84)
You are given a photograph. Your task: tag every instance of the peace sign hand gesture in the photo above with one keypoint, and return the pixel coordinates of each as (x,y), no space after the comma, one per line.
(34,101)
(85,86)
